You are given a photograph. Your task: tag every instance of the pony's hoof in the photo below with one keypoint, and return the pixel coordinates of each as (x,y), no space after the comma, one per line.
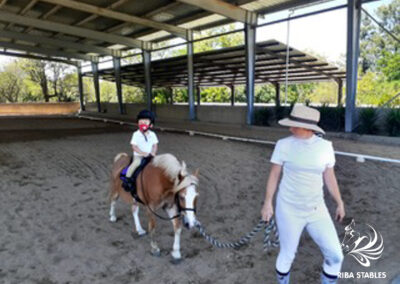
(176,261)
(156,253)
(142,234)
(113,219)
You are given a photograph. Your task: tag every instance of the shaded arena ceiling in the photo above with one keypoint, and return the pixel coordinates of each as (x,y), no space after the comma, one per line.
(73,30)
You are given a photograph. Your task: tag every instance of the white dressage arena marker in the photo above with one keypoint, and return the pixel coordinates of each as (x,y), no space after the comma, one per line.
(360,159)
(191,133)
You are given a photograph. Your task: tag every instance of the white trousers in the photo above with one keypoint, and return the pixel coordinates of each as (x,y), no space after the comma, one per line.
(291,220)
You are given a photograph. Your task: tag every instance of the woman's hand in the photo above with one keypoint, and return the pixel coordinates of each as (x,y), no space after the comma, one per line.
(340,212)
(267,211)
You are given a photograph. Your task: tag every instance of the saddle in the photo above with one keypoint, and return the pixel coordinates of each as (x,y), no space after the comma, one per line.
(129,183)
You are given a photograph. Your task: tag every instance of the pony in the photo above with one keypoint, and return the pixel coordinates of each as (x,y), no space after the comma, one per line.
(164,183)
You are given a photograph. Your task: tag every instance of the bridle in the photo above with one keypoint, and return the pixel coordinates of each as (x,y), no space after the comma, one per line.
(178,204)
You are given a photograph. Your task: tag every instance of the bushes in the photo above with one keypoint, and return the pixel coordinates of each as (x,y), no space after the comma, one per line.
(332,118)
(392,122)
(368,121)
(262,117)
(280,112)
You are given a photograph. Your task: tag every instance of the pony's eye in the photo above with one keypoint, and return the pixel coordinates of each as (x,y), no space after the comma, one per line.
(182,198)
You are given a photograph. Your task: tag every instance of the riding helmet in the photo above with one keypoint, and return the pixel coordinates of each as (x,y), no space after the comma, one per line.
(146,114)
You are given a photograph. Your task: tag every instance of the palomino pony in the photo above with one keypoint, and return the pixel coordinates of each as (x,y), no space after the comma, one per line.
(164,183)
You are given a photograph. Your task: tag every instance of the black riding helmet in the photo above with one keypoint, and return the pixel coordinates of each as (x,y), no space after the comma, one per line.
(146,114)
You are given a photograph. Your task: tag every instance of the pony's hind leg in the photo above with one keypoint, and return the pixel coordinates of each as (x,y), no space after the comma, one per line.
(135,213)
(177,223)
(113,201)
(155,250)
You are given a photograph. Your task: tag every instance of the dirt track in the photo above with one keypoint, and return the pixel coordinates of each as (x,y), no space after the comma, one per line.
(54,214)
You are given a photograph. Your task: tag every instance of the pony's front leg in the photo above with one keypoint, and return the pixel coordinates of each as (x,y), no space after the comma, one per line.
(155,250)
(177,223)
(135,214)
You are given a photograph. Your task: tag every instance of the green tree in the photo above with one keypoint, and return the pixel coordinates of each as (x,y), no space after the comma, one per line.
(36,69)
(377,47)
(11,82)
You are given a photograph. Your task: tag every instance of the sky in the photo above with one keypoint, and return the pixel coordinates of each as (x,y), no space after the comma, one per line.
(324,34)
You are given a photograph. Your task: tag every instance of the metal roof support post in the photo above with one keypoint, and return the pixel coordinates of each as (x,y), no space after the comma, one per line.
(232,87)
(192,113)
(80,87)
(95,70)
(353,37)
(147,77)
(250,43)
(118,83)
(340,91)
(277,94)
(198,93)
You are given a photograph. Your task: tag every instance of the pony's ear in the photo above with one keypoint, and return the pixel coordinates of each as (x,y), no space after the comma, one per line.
(196,172)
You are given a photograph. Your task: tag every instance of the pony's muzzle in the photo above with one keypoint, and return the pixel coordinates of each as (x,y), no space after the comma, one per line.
(189,221)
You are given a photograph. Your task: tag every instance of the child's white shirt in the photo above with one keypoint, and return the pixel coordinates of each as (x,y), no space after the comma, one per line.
(145,142)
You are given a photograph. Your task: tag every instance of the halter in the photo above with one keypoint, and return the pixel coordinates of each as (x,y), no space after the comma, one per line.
(178,204)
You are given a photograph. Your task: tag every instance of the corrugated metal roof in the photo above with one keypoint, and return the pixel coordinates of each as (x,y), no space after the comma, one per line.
(227,67)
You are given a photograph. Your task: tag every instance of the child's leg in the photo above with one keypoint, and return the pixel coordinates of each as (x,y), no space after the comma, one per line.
(133,166)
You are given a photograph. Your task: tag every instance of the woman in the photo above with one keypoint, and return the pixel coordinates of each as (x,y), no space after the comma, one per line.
(307,160)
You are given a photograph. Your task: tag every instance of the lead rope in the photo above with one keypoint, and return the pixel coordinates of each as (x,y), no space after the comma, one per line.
(270,229)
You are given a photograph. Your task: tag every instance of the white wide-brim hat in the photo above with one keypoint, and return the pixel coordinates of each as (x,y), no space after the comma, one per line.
(303,117)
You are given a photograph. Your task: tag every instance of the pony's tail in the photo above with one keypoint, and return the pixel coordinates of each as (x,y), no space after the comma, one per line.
(113,175)
(119,155)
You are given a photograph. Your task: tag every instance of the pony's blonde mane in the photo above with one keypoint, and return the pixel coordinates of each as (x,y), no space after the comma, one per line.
(171,166)
(185,182)
(176,171)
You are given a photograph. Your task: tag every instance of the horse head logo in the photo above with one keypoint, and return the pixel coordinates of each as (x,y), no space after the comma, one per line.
(363,247)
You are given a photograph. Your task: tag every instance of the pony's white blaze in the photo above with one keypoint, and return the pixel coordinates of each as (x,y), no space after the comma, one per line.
(189,203)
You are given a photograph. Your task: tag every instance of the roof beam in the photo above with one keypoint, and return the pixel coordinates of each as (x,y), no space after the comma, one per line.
(36,57)
(2,3)
(94,16)
(148,15)
(294,61)
(67,29)
(45,51)
(23,11)
(58,43)
(225,9)
(44,16)
(178,31)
